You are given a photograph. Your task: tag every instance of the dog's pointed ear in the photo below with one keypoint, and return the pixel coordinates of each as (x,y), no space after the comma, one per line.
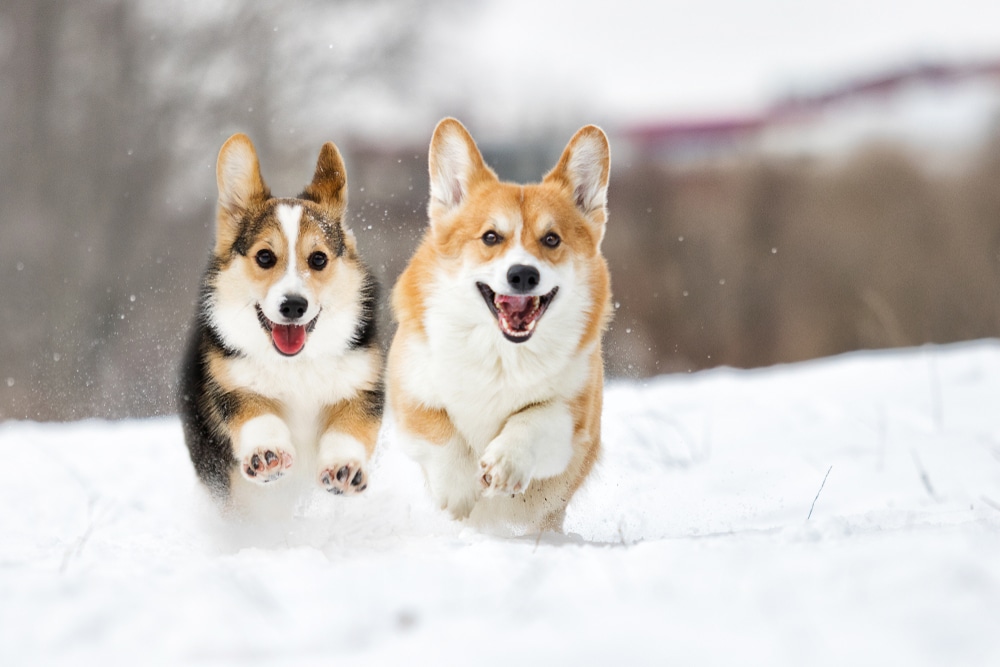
(329,183)
(584,169)
(237,173)
(456,166)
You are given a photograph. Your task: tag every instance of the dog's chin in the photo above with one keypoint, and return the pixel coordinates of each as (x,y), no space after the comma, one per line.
(288,339)
(517,316)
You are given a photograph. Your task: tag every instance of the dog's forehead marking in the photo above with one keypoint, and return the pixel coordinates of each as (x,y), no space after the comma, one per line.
(328,227)
(515,254)
(290,217)
(506,220)
(542,222)
(535,222)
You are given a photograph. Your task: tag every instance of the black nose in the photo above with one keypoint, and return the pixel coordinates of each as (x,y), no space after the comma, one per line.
(293,307)
(523,278)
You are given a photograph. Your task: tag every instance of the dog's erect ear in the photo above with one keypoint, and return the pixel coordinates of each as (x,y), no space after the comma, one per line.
(329,183)
(584,168)
(456,165)
(238,175)
(240,187)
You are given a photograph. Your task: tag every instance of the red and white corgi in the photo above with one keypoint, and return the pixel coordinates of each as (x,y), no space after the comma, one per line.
(495,372)
(282,377)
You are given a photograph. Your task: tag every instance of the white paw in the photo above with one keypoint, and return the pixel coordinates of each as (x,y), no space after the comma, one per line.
(265,464)
(265,449)
(342,462)
(502,473)
(340,478)
(458,504)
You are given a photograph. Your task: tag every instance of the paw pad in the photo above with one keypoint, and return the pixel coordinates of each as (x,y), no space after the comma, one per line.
(349,478)
(265,465)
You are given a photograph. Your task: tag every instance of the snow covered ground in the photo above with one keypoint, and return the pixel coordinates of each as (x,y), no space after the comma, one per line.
(691,544)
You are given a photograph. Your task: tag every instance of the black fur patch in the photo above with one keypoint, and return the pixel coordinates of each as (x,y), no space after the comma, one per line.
(198,403)
(228,404)
(250,227)
(366,331)
(205,407)
(374,400)
(252,224)
(333,232)
(305,196)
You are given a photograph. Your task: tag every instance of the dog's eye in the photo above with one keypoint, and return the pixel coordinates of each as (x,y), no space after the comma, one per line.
(552,240)
(265,259)
(492,238)
(317,261)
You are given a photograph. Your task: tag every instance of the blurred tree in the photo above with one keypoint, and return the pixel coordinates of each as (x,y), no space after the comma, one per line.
(115,113)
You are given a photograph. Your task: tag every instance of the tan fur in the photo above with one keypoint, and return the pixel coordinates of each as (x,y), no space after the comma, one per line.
(241,188)
(321,402)
(354,418)
(544,208)
(466,205)
(431,424)
(250,405)
(586,409)
(245,404)
(329,182)
(244,195)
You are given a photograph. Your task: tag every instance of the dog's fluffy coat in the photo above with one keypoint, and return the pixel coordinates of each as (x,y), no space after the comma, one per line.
(282,376)
(495,372)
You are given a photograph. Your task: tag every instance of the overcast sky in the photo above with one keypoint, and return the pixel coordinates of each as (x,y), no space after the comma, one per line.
(633,60)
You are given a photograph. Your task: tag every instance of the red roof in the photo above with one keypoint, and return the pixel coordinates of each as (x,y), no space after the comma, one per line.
(723,129)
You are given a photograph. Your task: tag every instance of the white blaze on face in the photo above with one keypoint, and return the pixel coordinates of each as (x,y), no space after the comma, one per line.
(290,217)
(291,283)
(495,272)
(514,256)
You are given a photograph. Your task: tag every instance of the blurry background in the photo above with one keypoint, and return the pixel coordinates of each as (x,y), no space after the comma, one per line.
(789,180)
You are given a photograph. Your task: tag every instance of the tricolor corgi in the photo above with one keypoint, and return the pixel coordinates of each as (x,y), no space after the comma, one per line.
(495,373)
(282,377)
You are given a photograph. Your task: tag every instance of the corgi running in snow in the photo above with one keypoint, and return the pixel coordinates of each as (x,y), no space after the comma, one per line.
(495,372)
(282,376)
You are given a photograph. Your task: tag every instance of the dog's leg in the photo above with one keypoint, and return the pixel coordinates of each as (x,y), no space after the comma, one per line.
(535,443)
(342,461)
(348,441)
(449,469)
(430,438)
(263,448)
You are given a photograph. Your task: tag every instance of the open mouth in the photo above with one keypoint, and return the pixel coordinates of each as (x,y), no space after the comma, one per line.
(288,339)
(517,315)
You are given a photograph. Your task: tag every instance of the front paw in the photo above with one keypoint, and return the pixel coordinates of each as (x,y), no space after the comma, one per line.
(344,478)
(501,474)
(265,464)
(459,505)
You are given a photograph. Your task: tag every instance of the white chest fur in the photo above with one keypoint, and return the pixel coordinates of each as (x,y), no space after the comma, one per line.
(480,378)
(304,386)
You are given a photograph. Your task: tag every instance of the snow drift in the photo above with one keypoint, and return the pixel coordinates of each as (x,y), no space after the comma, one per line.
(844,511)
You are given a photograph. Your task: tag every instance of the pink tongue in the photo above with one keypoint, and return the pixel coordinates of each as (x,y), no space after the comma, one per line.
(514,309)
(288,338)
